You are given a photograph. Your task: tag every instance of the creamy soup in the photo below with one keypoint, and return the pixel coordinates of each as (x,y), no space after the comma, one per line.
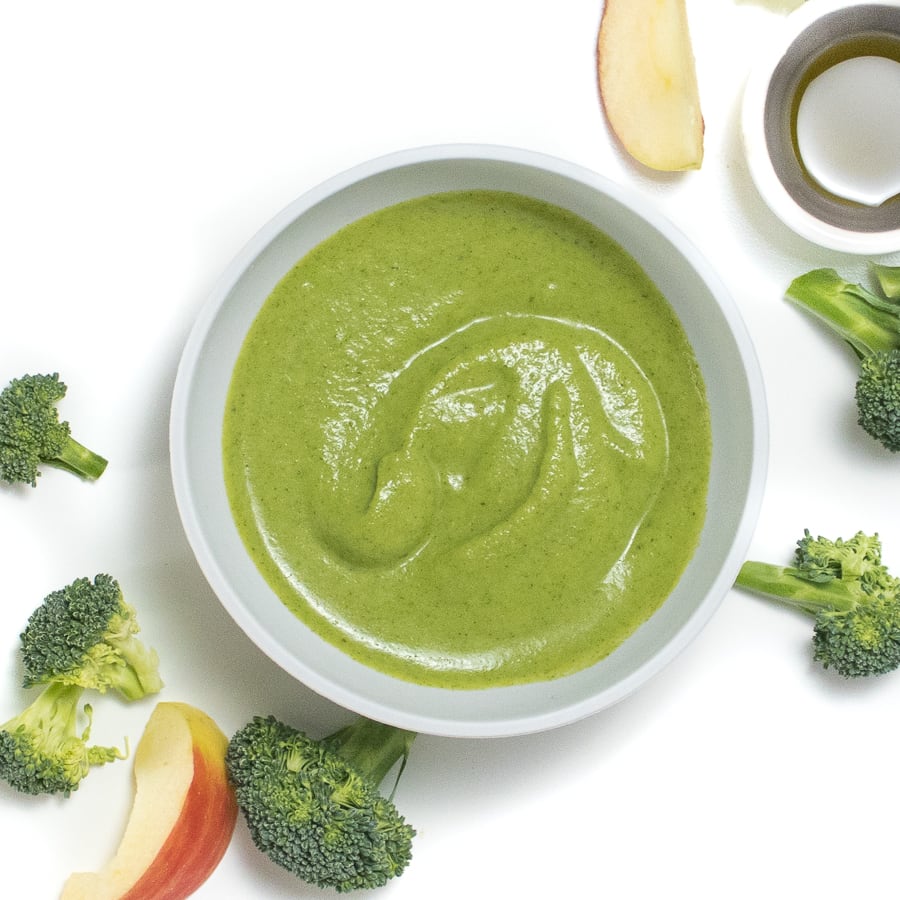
(467,441)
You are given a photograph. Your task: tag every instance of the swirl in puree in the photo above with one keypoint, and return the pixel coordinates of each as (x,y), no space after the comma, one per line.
(467,441)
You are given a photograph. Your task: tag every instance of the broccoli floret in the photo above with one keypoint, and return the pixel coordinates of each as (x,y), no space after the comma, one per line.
(31,432)
(870,323)
(854,599)
(878,397)
(85,634)
(823,560)
(314,807)
(41,751)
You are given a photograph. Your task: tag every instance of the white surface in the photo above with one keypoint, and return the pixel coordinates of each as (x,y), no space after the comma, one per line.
(142,147)
(725,354)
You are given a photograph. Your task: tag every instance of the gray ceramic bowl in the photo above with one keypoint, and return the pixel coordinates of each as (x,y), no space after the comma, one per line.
(712,323)
(769,107)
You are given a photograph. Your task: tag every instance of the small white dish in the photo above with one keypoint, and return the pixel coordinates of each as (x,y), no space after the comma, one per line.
(713,325)
(829,168)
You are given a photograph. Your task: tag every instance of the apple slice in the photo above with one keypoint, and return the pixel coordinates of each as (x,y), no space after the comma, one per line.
(648,82)
(182,817)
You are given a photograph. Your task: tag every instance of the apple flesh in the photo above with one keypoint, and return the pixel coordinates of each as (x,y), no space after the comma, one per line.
(648,82)
(182,817)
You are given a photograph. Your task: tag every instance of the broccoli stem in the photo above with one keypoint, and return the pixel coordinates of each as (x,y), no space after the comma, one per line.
(888,280)
(132,686)
(371,747)
(75,457)
(848,309)
(53,711)
(139,675)
(791,587)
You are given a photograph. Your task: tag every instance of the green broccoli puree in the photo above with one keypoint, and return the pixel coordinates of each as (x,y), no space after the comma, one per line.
(467,441)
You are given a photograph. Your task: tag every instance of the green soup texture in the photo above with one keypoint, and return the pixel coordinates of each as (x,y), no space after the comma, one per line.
(467,441)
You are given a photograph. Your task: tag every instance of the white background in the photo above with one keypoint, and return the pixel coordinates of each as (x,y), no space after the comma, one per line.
(141,146)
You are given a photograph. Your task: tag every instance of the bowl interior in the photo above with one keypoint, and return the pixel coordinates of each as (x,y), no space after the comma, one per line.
(713,326)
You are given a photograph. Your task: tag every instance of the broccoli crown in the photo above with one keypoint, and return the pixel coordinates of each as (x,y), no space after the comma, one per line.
(30,429)
(864,640)
(40,749)
(854,599)
(878,397)
(31,432)
(822,559)
(312,811)
(862,637)
(84,634)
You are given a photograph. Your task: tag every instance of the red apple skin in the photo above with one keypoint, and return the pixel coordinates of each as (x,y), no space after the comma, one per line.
(199,839)
(182,743)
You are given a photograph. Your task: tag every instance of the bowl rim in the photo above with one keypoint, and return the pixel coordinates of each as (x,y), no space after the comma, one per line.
(423,722)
